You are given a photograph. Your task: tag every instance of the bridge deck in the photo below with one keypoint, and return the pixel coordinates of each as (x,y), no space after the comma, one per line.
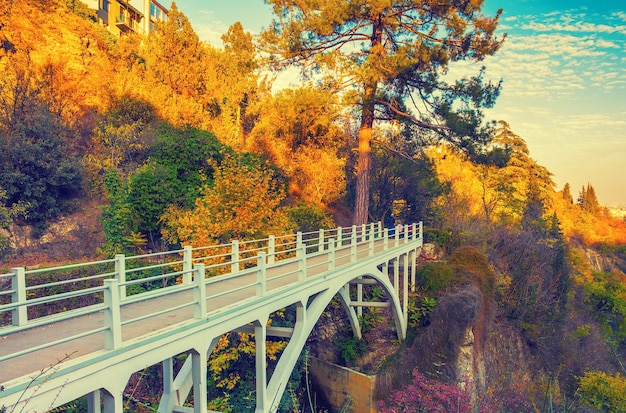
(233,290)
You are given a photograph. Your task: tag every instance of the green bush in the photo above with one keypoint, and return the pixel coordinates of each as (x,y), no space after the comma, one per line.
(351,348)
(36,167)
(602,391)
(434,277)
(310,217)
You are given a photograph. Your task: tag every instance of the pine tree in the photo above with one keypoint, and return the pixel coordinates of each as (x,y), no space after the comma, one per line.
(588,201)
(567,194)
(385,54)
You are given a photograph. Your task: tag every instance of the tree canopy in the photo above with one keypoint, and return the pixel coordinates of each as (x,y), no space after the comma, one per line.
(390,58)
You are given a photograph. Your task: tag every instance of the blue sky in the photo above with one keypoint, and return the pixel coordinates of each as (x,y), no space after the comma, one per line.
(564,71)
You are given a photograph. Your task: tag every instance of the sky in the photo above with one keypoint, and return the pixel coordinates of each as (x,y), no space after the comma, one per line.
(563,67)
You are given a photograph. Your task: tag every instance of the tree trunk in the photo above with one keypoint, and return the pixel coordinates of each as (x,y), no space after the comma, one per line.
(364,162)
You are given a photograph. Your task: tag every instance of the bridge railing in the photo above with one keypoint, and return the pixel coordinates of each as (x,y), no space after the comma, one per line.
(110,285)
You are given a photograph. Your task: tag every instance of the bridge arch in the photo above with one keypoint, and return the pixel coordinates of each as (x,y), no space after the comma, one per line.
(307,317)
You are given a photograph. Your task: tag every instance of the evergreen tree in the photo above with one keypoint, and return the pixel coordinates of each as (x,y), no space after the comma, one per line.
(567,194)
(387,54)
(588,201)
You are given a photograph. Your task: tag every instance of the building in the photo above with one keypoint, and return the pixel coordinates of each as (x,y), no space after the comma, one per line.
(121,16)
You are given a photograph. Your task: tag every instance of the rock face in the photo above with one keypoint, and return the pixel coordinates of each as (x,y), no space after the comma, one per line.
(501,361)
(597,261)
(71,237)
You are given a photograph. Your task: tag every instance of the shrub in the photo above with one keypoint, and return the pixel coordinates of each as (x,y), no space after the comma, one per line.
(310,217)
(351,348)
(425,395)
(603,391)
(435,277)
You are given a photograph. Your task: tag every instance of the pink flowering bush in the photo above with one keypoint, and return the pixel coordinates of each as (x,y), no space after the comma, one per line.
(425,395)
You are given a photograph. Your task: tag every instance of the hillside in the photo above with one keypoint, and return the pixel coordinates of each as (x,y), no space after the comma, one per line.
(136,144)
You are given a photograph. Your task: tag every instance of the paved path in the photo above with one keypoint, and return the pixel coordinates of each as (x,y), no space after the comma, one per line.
(231,291)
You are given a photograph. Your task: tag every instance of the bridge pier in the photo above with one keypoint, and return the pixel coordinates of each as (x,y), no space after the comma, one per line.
(198,372)
(93,402)
(260,340)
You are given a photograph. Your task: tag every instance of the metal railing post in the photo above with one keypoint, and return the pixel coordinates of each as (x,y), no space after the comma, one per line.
(353,244)
(386,239)
(380,228)
(261,274)
(271,249)
(371,240)
(112,316)
(321,240)
(120,273)
(331,254)
(405,289)
(298,239)
(19,315)
(397,235)
(199,292)
(421,230)
(234,256)
(339,236)
(187,264)
(301,254)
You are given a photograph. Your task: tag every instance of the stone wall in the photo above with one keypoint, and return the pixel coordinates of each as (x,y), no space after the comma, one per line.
(343,388)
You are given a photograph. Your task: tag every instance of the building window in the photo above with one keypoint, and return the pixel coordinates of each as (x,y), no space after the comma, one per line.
(105,5)
(151,25)
(152,10)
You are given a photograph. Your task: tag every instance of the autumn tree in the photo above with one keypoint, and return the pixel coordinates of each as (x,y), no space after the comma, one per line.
(36,168)
(300,131)
(386,55)
(405,186)
(7,215)
(243,202)
(237,90)
(174,76)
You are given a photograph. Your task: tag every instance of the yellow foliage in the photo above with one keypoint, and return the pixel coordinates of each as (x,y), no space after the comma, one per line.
(319,176)
(243,203)
(227,352)
(603,391)
(491,194)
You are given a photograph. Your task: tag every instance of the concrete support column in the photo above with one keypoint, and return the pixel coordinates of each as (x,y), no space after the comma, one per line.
(260,338)
(396,275)
(113,403)
(168,376)
(405,290)
(198,372)
(93,402)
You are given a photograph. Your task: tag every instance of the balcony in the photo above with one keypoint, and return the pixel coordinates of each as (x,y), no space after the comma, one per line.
(126,23)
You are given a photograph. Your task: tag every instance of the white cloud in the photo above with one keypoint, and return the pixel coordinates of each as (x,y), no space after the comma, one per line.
(207,27)
(619,15)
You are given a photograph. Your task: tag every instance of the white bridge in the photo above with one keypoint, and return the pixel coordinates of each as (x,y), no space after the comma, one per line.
(63,337)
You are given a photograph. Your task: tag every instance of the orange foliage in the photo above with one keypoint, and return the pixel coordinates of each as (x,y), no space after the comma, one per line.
(475,187)
(244,203)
